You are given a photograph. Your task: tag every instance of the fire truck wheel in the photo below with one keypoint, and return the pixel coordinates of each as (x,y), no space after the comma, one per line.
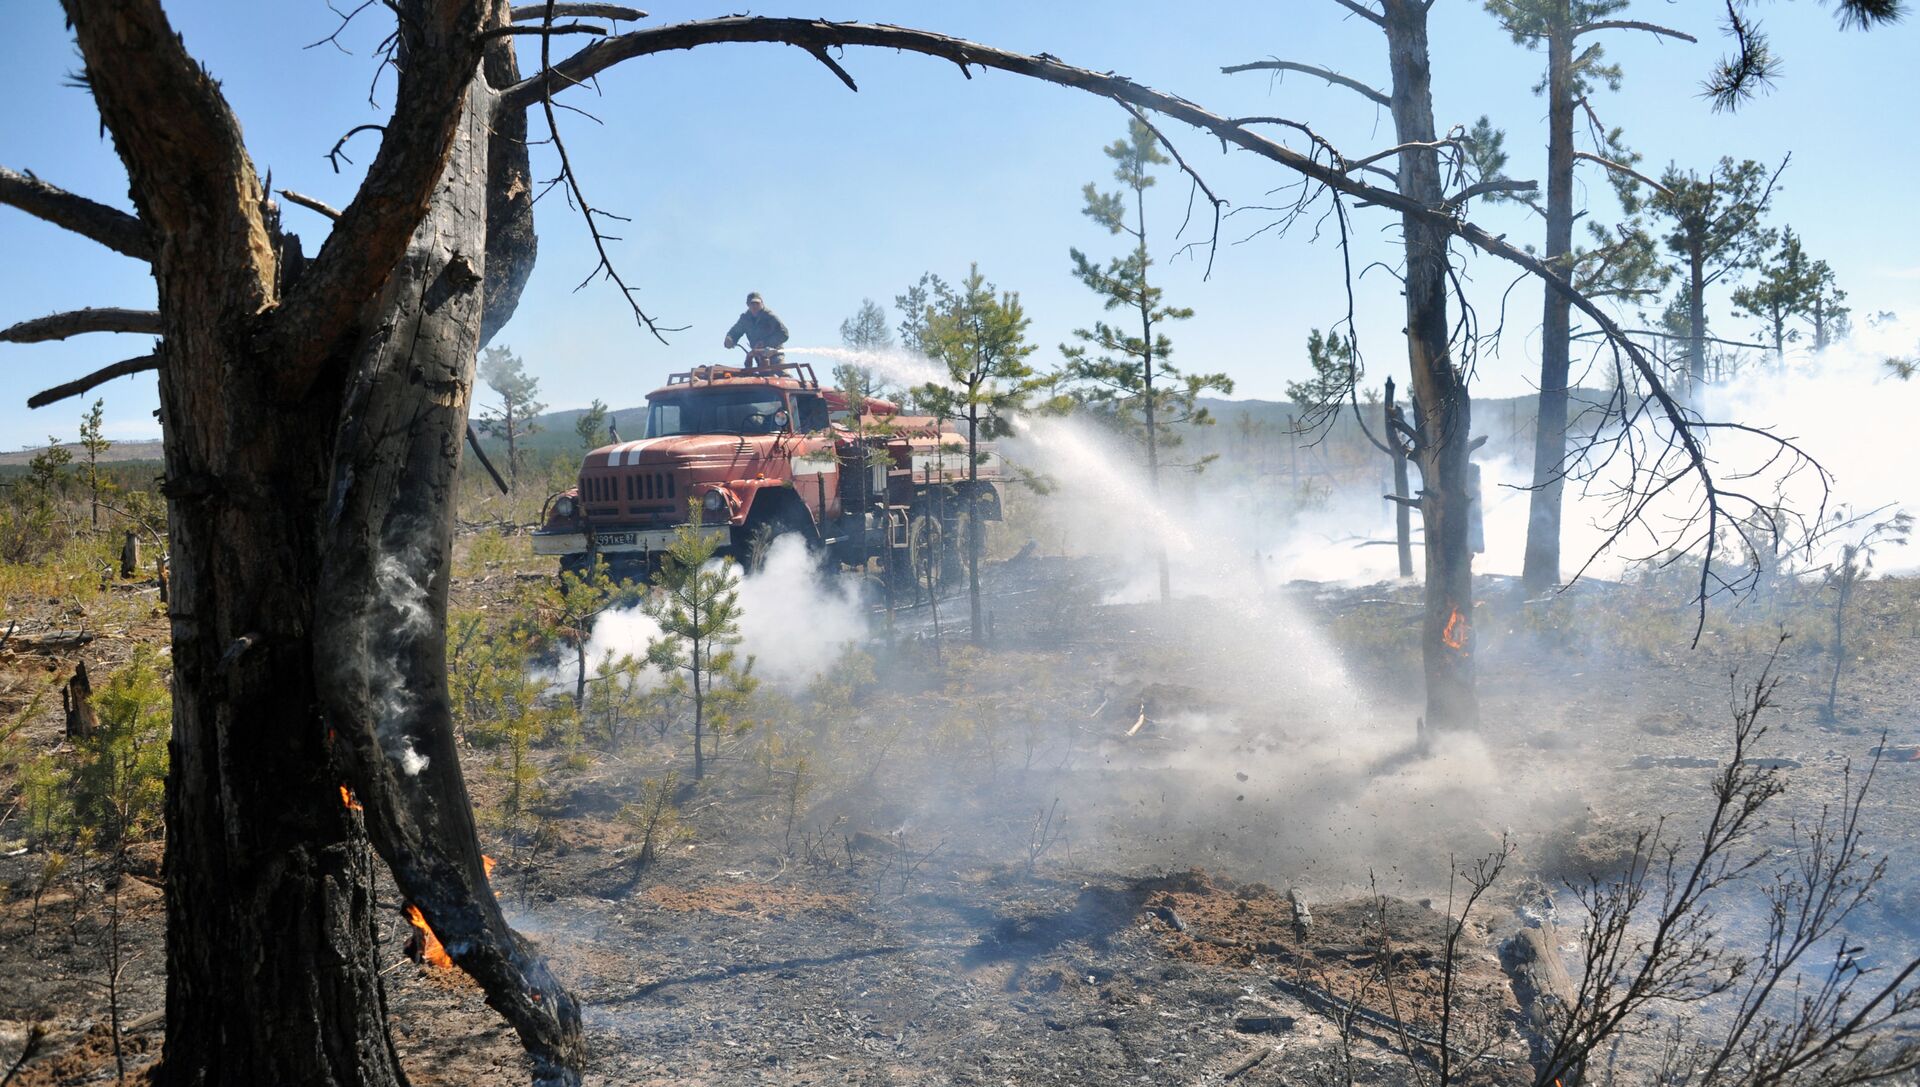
(762,532)
(928,552)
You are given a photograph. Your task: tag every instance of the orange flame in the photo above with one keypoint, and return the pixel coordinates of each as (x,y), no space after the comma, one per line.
(488,863)
(346,798)
(1455,635)
(429,945)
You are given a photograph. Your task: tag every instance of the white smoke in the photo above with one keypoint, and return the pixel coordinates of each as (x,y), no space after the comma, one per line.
(891,365)
(1850,412)
(1830,405)
(395,703)
(1104,503)
(794,621)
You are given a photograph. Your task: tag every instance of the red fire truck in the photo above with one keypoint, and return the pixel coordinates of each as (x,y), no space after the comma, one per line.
(765,450)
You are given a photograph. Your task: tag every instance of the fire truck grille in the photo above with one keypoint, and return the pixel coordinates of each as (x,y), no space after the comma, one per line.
(630,487)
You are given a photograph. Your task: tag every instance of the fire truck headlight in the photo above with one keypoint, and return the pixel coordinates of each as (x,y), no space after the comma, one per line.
(715,501)
(564,506)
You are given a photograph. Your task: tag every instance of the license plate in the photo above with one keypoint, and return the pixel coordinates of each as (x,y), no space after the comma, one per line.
(616,539)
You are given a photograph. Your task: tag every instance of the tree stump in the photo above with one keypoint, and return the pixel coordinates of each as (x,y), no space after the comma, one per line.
(77,699)
(130,555)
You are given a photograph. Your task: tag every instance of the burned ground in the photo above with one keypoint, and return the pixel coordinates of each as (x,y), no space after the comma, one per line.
(1066,858)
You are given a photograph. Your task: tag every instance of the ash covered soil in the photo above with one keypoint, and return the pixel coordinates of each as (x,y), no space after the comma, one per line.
(1067,858)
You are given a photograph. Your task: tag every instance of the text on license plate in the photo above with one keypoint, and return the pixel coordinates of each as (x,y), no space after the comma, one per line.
(615,539)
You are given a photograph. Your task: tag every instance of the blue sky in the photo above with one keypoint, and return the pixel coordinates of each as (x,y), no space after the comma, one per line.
(752,168)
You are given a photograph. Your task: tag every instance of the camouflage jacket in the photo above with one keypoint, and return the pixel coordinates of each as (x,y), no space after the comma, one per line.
(761,329)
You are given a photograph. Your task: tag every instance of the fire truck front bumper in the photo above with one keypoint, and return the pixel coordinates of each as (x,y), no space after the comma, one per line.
(619,541)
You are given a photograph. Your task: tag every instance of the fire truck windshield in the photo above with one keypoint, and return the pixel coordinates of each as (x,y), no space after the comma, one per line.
(717,411)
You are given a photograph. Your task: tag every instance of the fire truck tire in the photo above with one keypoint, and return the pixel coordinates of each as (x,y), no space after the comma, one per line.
(761,532)
(930,555)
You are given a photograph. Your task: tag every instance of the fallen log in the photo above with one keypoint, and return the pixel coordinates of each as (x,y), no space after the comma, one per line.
(1246,1064)
(1541,983)
(51,641)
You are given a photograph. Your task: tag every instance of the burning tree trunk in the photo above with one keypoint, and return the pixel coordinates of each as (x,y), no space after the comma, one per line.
(313,410)
(1444,412)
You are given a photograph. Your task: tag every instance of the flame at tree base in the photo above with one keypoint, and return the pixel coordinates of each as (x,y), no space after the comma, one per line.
(424,946)
(1455,634)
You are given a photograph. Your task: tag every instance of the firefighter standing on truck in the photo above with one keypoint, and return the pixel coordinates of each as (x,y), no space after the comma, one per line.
(758,325)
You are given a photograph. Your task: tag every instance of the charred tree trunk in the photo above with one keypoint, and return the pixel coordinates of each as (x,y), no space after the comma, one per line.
(1541,569)
(272,972)
(1444,412)
(130,555)
(76,699)
(314,410)
(379,641)
(1393,426)
(975,631)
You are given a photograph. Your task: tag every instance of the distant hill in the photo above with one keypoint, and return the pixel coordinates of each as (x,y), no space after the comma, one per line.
(120,453)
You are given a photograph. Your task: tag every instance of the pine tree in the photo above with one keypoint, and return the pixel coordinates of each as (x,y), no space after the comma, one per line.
(1714,234)
(1125,376)
(27,522)
(592,425)
(575,602)
(1784,290)
(1617,265)
(95,445)
(866,330)
(697,604)
(1336,372)
(1830,313)
(511,417)
(121,768)
(979,336)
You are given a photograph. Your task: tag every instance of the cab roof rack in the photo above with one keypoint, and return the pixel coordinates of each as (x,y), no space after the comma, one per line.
(778,366)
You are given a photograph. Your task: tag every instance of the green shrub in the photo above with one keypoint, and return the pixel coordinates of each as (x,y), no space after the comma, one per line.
(119,776)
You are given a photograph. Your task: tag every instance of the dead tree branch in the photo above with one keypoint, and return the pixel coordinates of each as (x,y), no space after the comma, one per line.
(311,204)
(97,378)
(1363,11)
(111,227)
(1623,168)
(1213,240)
(588,211)
(1633,24)
(59,326)
(616,12)
(442,47)
(543,30)
(1332,77)
(1482,188)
